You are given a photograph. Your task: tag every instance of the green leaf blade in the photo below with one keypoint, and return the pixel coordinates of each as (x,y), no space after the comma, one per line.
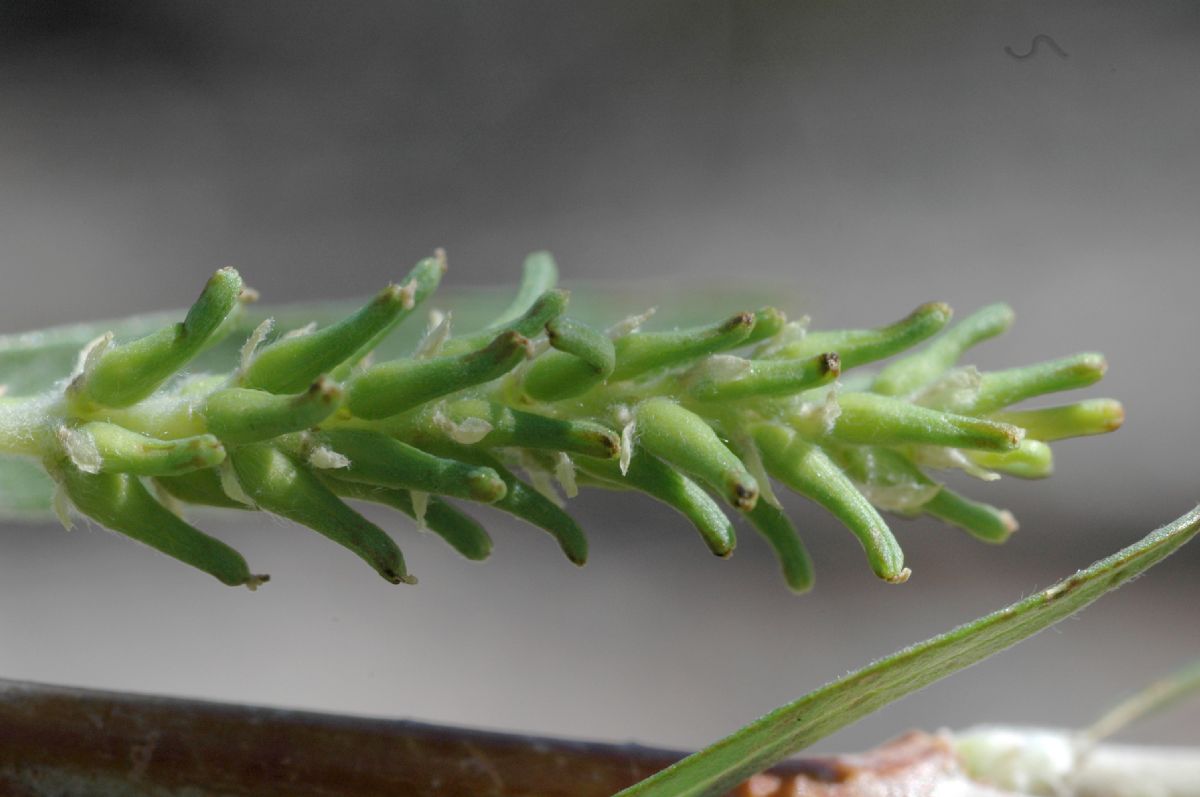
(797,725)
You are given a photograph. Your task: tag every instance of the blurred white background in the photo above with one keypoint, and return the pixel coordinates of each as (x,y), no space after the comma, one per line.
(871,157)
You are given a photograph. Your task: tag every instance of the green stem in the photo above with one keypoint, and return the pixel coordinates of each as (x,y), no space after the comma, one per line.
(23,426)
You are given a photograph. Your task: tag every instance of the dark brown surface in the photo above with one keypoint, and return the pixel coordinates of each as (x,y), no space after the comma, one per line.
(64,742)
(58,741)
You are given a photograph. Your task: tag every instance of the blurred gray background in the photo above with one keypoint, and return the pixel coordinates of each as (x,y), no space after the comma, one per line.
(868,156)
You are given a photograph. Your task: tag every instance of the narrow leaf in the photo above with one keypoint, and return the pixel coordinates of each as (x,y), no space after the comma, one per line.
(797,725)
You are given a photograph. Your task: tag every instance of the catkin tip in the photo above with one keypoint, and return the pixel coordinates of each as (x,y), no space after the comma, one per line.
(392,294)
(742,320)
(940,309)
(408,295)
(225,274)
(396,577)
(745,496)
(1014,435)
(610,442)
(485,485)
(325,390)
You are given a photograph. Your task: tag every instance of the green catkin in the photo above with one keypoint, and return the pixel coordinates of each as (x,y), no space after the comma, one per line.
(549,306)
(909,374)
(1094,416)
(515,428)
(783,538)
(768,378)
(640,352)
(870,419)
(522,501)
(585,342)
(291,363)
(200,487)
(808,470)
(676,415)
(860,346)
(1033,460)
(999,389)
(912,492)
(658,480)
(119,501)
(983,521)
(282,486)
(420,283)
(768,322)
(123,374)
(892,481)
(123,451)
(375,458)
(684,439)
(461,532)
(585,357)
(393,387)
(539,274)
(242,415)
